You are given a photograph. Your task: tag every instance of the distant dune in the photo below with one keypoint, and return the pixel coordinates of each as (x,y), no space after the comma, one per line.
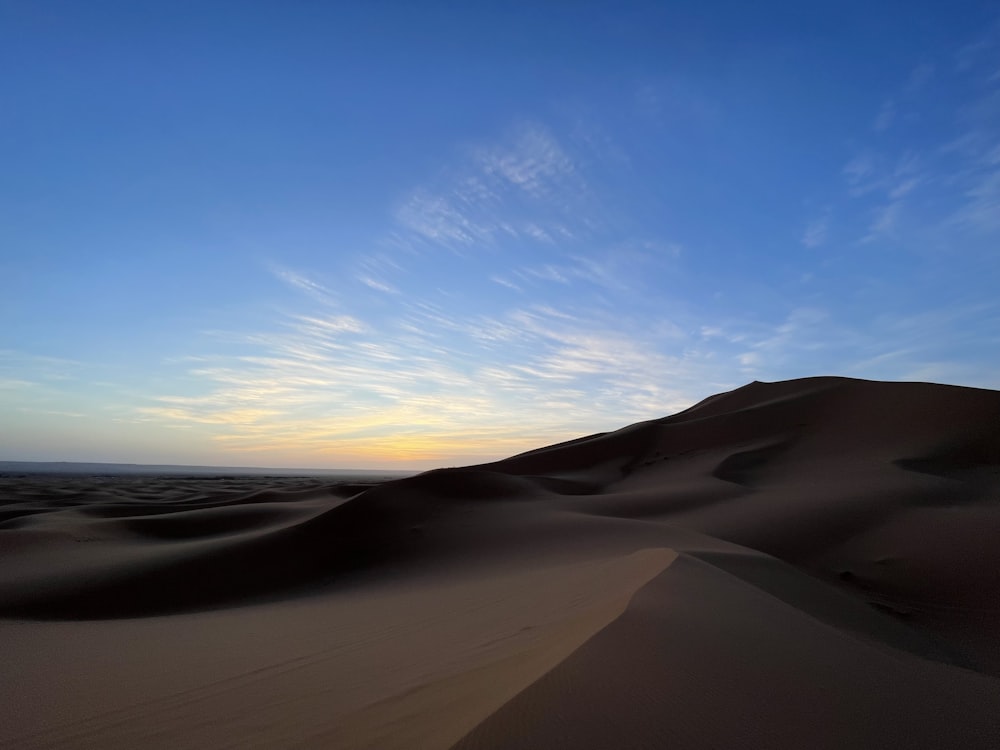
(805,564)
(80,468)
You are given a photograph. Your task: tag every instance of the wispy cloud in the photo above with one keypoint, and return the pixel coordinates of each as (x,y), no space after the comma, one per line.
(870,172)
(816,232)
(426,385)
(923,191)
(405,387)
(903,101)
(918,79)
(437,218)
(858,172)
(46,367)
(303,283)
(533,161)
(330,324)
(977,172)
(920,345)
(981,211)
(885,116)
(769,349)
(617,270)
(524,186)
(496,279)
(980,53)
(885,221)
(378,286)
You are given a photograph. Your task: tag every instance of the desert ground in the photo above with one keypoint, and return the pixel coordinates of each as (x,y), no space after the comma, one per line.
(811,563)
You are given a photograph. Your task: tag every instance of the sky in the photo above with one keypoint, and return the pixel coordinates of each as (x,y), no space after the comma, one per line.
(420,234)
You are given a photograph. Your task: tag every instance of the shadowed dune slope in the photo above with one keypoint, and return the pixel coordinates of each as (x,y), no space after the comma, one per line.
(888,491)
(836,583)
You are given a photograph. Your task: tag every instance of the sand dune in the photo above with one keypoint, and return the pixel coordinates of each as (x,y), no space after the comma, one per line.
(811,563)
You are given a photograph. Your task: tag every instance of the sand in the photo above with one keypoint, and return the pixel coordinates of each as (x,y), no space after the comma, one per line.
(810,563)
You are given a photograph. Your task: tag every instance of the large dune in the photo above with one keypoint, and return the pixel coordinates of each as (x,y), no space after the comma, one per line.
(805,564)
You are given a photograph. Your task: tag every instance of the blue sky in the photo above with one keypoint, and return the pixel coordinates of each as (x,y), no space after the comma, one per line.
(405,235)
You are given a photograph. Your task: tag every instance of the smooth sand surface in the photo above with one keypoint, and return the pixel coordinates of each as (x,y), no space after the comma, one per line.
(811,563)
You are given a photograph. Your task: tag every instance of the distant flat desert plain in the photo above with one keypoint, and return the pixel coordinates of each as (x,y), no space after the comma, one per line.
(812,563)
